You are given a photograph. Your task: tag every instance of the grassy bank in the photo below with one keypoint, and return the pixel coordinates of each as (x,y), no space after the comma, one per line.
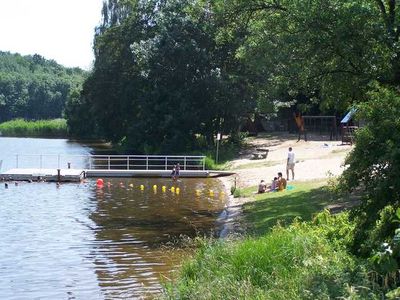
(303,201)
(293,260)
(301,261)
(40,128)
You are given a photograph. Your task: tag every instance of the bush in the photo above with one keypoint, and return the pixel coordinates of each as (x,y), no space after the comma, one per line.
(374,163)
(303,261)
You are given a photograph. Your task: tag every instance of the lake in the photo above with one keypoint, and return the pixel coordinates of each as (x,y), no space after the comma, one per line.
(78,241)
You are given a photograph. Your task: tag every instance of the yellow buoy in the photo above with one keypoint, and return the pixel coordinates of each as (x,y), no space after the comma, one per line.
(211,192)
(178,190)
(173,189)
(198,192)
(164,188)
(155,187)
(142,187)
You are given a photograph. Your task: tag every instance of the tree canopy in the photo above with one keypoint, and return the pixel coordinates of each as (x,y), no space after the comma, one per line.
(160,79)
(32,87)
(168,75)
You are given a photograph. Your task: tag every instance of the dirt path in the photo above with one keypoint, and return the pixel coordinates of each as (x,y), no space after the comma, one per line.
(314,159)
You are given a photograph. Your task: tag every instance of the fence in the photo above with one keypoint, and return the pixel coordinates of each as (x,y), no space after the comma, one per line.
(321,125)
(110,162)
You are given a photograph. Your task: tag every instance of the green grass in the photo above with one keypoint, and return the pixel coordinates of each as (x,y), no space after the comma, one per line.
(42,128)
(305,200)
(302,261)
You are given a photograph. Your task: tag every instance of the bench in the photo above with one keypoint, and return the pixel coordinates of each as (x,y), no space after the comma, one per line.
(260,154)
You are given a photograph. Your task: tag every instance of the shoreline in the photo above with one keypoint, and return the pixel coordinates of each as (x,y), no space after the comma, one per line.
(232,215)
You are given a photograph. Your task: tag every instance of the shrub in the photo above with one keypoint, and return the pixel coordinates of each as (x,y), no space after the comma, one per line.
(374,163)
(303,261)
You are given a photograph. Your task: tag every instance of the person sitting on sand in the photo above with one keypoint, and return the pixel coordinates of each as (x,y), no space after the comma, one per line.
(281,182)
(274,184)
(262,187)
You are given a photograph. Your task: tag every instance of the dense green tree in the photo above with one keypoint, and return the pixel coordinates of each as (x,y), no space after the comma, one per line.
(160,80)
(373,166)
(32,87)
(326,50)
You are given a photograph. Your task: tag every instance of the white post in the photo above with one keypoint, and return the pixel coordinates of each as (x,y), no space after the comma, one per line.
(218,138)
(41,161)
(127,162)
(109,163)
(147,163)
(17,161)
(166,163)
(184,163)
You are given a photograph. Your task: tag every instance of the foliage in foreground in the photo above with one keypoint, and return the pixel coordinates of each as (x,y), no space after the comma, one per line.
(44,128)
(373,170)
(302,261)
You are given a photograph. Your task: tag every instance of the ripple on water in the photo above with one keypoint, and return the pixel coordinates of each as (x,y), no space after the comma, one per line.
(78,241)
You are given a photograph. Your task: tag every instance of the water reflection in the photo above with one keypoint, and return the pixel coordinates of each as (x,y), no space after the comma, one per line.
(81,242)
(135,227)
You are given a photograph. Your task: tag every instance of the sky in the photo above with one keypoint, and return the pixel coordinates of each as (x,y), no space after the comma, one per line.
(62,30)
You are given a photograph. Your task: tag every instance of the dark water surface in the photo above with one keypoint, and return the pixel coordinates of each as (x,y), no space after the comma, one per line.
(82,242)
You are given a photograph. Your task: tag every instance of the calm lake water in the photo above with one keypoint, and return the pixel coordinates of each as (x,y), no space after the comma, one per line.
(81,242)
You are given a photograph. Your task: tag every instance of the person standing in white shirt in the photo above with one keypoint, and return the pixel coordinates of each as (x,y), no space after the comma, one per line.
(290,163)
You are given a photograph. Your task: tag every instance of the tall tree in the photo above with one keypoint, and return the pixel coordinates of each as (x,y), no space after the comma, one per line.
(328,50)
(160,80)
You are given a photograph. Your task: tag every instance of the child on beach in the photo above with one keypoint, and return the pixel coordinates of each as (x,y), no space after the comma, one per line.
(262,187)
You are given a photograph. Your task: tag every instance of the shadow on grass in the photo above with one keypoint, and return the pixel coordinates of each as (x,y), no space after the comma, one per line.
(304,202)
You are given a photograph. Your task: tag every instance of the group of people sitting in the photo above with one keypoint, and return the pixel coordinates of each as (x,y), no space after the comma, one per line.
(278,184)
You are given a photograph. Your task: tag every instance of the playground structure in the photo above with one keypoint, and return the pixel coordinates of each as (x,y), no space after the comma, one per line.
(321,125)
(348,128)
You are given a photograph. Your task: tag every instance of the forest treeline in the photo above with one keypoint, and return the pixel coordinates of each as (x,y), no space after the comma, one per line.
(33,88)
(170,74)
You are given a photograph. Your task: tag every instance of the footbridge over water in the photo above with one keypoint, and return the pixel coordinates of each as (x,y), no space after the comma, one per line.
(57,167)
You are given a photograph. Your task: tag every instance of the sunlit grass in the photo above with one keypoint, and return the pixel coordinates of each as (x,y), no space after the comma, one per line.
(43,128)
(298,262)
(303,200)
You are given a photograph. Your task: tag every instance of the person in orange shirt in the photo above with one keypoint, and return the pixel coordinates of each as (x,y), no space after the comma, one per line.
(300,125)
(281,182)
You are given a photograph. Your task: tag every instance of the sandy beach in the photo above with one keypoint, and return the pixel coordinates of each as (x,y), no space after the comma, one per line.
(314,160)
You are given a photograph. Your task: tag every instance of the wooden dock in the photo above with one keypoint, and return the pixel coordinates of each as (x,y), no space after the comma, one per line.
(76,175)
(66,175)
(49,167)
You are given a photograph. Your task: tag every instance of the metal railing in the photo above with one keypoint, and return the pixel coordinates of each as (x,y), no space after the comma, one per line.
(109,162)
